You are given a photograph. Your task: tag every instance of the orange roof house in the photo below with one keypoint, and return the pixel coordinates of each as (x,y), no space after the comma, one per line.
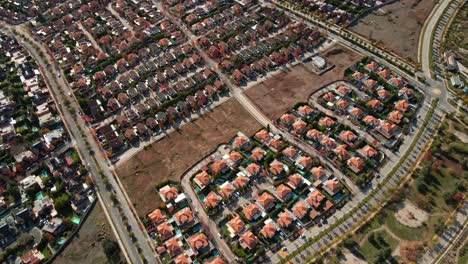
(356,112)
(290,152)
(276,167)
(371,121)
(387,129)
(235,226)
(157,216)
(402,105)
(165,231)
(342,90)
(252,169)
(219,166)
(295,180)
(275,143)
(257,154)
(262,136)
(251,212)
(240,181)
(182,259)
(318,172)
(358,75)
(342,104)
(198,242)
(315,199)
(283,192)
(299,126)
(304,110)
(184,216)
(395,117)
(407,92)
(174,247)
(266,201)
(347,136)
(285,219)
(396,82)
(326,121)
(370,84)
(212,200)
(248,240)
(287,119)
(226,190)
(356,164)
(328,142)
(314,134)
(372,66)
(332,186)
(329,97)
(234,158)
(304,162)
(383,94)
(269,229)
(375,104)
(341,152)
(300,209)
(368,151)
(384,73)
(168,193)
(240,142)
(216,260)
(202,179)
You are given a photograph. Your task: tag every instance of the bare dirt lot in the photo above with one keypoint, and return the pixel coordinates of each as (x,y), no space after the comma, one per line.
(280,92)
(398,29)
(86,246)
(170,157)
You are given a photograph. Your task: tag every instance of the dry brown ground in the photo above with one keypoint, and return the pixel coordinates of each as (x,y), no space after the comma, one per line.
(399,29)
(279,93)
(170,157)
(86,246)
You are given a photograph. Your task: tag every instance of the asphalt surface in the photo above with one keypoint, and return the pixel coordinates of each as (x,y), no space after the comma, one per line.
(92,156)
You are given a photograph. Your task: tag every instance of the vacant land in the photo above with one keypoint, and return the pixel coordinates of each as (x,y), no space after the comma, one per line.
(280,92)
(398,28)
(86,246)
(457,39)
(170,157)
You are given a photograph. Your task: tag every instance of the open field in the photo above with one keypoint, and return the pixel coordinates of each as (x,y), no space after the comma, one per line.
(456,38)
(86,246)
(280,92)
(398,29)
(168,158)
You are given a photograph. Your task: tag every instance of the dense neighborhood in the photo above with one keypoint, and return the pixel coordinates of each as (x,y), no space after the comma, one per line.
(45,189)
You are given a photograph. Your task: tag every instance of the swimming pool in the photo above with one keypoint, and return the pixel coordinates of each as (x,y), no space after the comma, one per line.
(76,220)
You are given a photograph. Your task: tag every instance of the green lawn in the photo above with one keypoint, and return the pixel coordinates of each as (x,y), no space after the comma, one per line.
(463,257)
(402,231)
(370,251)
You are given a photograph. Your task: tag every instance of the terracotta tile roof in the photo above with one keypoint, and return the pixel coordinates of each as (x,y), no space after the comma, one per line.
(328,142)
(287,119)
(268,230)
(198,241)
(276,167)
(182,259)
(384,73)
(304,161)
(343,89)
(367,151)
(216,260)
(275,143)
(300,209)
(157,216)
(347,136)
(299,126)
(284,219)
(318,172)
(212,199)
(358,75)
(219,166)
(304,110)
(395,116)
(236,224)
(173,247)
(370,120)
(169,192)
(387,129)
(226,190)
(313,214)
(262,135)
(235,156)
(283,191)
(184,216)
(326,121)
(341,152)
(356,164)
(289,151)
(314,133)
(383,93)
(333,186)
(315,198)
(240,181)
(203,178)
(402,105)
(372,66)
(329,97)
(164,231)
(370,83)
(342,104)
(239,141)
(375,104)
(356,112)
(266,200)
(250,211)
(249,240)
(253,168)
(295,180)
(257,154)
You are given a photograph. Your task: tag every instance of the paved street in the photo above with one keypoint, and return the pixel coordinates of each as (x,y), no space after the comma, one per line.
(91,154)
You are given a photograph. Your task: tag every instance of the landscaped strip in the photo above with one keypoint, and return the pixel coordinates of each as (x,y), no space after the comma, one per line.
(367,199)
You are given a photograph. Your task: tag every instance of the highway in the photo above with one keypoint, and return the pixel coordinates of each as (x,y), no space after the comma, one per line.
(90,153)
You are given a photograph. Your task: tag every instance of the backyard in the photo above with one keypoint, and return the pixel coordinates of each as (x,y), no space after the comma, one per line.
(170,157)
(396,26)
